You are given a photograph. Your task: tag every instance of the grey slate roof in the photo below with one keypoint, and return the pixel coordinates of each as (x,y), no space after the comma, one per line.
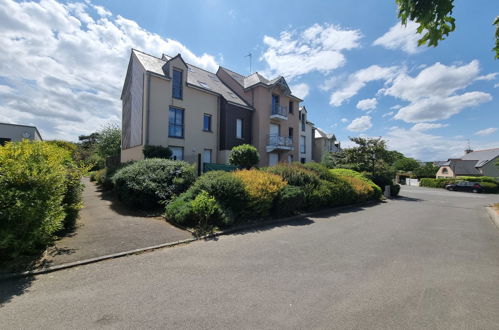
(195,76)
(464,167)
(482,157)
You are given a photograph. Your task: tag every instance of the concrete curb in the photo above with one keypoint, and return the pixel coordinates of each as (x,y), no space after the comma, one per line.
(185,241)
(493,215)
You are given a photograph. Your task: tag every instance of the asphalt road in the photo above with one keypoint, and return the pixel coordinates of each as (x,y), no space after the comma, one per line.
(429,260)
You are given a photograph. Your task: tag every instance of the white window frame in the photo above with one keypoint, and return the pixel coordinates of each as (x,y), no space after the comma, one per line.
(174,153)
(239,128)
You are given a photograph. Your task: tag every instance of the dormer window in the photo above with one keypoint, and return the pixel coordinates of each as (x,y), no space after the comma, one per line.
(177,84)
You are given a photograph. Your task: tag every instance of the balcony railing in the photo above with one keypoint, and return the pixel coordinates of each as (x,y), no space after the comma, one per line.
(276,142)
(278,111)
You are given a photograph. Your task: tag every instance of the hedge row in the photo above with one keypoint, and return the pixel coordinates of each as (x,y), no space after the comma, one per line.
(220,199)
(41,195)
(491,185)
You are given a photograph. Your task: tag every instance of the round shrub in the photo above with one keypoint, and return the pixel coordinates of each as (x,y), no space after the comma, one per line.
(373,193)
(289,200)
(156,152)
(149,182)
(262,188)
(295,175)
(394,190)
(227,189)
(319,169)
(244,155)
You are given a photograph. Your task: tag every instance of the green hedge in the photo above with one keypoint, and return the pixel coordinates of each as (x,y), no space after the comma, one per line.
(41,195)
(361,188)
(491,185)
(151,182)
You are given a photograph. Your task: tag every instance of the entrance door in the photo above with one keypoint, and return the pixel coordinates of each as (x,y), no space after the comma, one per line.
(207,156)
(273,159)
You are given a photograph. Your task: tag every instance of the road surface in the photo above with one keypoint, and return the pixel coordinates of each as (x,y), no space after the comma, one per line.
(427,260)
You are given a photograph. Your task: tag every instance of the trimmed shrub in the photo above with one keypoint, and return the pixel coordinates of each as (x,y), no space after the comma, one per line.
(227,189)
(72,198)
(436,183)
(156,152)
(148,183)
(289,200)
(319,169)
(478,179)
(295,175)
(244,155)
(363,188)
(394,190)
(490,187)
(262,188)
(40,189)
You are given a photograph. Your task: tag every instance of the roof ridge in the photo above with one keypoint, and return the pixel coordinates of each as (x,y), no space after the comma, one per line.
(484,150)
(140,51)
(227,69)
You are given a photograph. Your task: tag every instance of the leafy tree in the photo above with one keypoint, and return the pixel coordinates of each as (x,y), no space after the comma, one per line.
(427,171)
(434,19)
(406,164)
(370,155)
(244,155)
(109,141)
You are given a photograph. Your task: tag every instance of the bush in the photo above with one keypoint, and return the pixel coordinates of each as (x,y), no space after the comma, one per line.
(150,182)
(319,169)
(363,188)
(436,183)
(490,187)
(227,189)
(394,190)
(295,175)
(40,189)
(289,200)
(156,152)
(72,198)
(262,188)
(245,156)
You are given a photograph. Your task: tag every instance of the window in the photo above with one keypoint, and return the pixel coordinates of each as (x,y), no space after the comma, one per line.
(177,153)
(207,123)
(177,84)
(290,159)
(291,104)
(302,144)
(176,123)
(207,156)
(290,132)
(303,122)
(445,171)
(239,128)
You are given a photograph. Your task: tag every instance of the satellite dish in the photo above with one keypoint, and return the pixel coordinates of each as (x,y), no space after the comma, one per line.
(26,135)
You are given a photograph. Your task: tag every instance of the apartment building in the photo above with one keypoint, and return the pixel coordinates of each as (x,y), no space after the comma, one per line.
(276,120)
(324,143)
(168,102)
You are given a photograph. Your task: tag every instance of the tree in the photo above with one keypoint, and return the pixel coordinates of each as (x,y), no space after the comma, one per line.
(434,19)
(109,141)
(244,155)
(406,164)
(427,171)
(370,155)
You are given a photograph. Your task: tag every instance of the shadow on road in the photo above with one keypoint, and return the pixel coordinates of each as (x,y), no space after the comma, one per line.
(14,287)
(408,199)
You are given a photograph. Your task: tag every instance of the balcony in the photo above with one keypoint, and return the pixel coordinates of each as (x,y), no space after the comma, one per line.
(278,111)
(276,142)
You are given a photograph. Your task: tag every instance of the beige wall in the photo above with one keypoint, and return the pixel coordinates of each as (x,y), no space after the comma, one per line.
(441,174)
(490,169)
(195,103)
(132,154)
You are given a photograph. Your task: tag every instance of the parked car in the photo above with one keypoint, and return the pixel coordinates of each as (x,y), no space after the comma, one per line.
(465,186)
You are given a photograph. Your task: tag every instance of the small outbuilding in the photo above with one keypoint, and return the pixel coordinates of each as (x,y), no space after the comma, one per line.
(14,132)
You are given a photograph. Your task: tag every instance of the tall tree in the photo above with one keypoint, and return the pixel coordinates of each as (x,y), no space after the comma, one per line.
(434,19)
(370,155)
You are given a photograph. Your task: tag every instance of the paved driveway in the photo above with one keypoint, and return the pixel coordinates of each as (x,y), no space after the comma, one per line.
(427,260)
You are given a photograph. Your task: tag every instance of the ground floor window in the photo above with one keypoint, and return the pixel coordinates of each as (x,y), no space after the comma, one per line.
(207,156)
(177,153)
(273,159)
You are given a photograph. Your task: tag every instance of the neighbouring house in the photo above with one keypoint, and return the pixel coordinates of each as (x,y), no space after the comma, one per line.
(14,132)
(275,126)
(307,132)
(473,163)
(323,144)
(171,103)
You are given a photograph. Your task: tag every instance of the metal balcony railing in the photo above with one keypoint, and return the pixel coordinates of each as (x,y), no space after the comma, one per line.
(278,142)
(280,110)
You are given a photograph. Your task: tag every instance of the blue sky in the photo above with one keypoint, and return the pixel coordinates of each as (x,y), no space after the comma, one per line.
(359,72)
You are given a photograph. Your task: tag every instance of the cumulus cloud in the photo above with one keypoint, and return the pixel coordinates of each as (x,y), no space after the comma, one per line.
(486,131)
(367,104)
(421,127)
(347,88)
(401,37)
(390,113)
(318,48)
(300,90)
(66,64)
(433,93)
(344,120)
(360,124)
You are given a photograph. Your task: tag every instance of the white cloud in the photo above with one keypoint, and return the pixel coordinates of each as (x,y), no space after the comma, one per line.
(356,81)
(318,48)
(360,124)
(401,37)
(490,76)
(433,92)
(344,120)
(66,64)
(486,131)
(388,114)
(421,127)
(367,104)
(496,85)
(300,90)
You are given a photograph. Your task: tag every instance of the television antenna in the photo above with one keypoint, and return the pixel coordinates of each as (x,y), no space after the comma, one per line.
(250,58)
